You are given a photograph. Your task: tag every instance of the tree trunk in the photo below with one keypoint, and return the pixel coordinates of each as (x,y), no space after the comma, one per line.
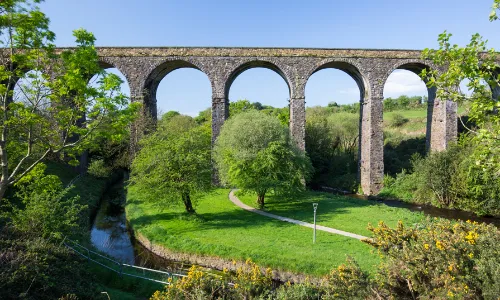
(187,203)
(260,200)
(3,189)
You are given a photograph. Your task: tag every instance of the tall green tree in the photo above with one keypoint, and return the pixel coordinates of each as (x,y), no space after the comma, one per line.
(254,152)
(477,65)
(54,111)
(174,163)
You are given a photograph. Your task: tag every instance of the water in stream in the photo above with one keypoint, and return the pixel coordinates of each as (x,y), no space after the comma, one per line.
(111,235)
(109,232)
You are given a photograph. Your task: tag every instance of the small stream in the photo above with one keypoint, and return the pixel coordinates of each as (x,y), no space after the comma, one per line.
(111,235)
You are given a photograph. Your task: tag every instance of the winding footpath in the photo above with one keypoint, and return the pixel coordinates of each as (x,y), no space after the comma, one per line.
(240,204)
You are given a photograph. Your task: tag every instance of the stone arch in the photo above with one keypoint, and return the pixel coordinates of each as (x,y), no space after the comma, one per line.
(106,64)
(257,63)
(158,72)
(441,126)
(351,68)
(354,70)
(413,65)
(416,67)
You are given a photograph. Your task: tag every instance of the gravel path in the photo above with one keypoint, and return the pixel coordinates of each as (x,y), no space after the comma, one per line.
(238,203)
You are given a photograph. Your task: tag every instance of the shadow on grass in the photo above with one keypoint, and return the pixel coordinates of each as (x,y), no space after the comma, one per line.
(201,221)
(335,203)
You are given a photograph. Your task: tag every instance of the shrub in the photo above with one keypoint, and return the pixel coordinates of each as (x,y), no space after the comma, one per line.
(441,177)
(248,282)
(438,259)
(99,169)
(40,268)
(46,211)
(304,291)
(347,281)
(398,120)
(332,144)
(480,189)
(450,179)
(196,285)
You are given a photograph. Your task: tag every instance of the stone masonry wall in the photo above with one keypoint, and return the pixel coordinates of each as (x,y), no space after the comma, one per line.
(145,67)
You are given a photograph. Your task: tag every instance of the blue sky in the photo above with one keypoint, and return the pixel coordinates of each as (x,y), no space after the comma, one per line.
(325,24)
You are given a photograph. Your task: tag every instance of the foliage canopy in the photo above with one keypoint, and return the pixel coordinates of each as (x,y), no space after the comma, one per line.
(254,152)
(174,163)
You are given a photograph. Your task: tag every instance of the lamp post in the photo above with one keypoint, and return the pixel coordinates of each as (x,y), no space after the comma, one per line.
(315,207)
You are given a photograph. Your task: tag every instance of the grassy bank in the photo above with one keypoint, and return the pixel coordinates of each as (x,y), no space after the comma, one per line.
(339,212)
(223,230)
(90,190)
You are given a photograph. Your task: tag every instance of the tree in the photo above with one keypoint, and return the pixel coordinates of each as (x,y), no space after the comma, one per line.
(254,152)
(55,111)
(174,163)
(169,114)
(478,65)
(240,106)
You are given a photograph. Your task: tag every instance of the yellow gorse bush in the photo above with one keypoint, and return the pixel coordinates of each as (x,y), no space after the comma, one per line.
(246,282)
(438,258)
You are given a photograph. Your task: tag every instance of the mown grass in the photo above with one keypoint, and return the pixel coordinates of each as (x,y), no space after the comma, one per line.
(224,230)
(339,212)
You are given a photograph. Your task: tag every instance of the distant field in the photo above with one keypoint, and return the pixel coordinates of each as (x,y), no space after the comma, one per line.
(416,125)
(410,114)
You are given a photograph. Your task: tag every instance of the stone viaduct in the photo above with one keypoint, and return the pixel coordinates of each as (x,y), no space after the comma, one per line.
(144,68)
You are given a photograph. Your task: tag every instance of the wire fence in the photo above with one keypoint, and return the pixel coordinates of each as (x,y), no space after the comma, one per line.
(121,268)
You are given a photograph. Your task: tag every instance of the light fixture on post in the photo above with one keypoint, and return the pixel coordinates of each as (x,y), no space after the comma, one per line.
(315,207)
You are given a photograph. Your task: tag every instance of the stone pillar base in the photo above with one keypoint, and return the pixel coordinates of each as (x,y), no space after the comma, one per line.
(298,121)
(371,146)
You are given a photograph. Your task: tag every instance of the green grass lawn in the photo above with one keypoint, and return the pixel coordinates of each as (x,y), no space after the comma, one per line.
(339,212)
(224,230)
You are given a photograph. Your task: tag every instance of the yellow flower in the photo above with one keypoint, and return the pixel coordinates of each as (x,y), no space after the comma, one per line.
(450,294)
(471,255)
(450,267)
(426,246)
(471,237)
(439,245)
(236,285)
